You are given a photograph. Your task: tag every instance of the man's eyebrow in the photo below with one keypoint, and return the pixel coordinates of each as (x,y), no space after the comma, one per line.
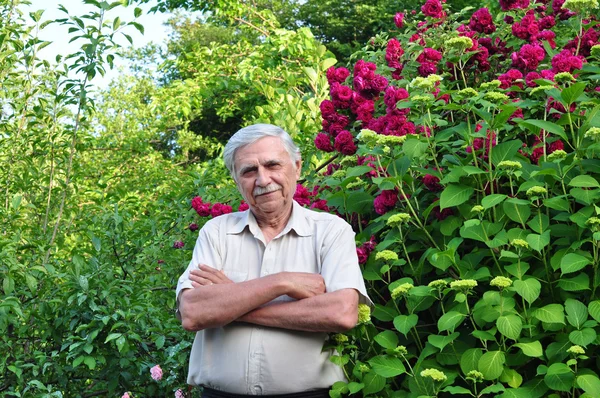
(273,162)
(250,167)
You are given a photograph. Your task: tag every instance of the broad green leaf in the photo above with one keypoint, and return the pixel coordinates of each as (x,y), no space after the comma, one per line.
(160,342)
(516,211)
(384,313)
(469,360)
(337,389)
(414,148)
(505,151)
(491,364)
(539,223)
(575,284)
(573,262)
(454,195)
(441,341)
(493,389)
(557,203)
(583,337)
(358,171)
(551,313)
(90,362)
(456,390)
(577,312)
(589,383)
(510,326)
(571,93)
(387,366)
(531,349)
(586,196)
(529,289)
(354,387)
(327,63)
(403,323)
(373,383)
(492,200)
(584,181)
(559,377)
(387,339)
(359,202)
(594,310)
(450,320)
(538,242)
(511,377)
(546,125)
(112,336)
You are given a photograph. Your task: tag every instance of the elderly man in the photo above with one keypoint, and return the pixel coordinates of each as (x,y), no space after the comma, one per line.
(264,286)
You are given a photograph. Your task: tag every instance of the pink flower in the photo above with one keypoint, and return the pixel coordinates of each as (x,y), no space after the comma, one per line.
(302,195)
(323,142)
(178,244)
(179,394)
(513,4)
(565,61)
(433,9)
(338,75)
(203,209)
(393,52)
(385,201)
(399,19)
(327,108)
(126,395)
(156,372)
(220,209)
(344,143)
(432,183)
(482,21)
(243,206)
(193,227)
(320,204)
(528,57)
(362,254)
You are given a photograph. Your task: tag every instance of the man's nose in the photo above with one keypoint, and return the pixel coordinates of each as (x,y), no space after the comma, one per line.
(263,178)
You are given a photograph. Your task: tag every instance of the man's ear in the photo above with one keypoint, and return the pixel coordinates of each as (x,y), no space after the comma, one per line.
(298,168)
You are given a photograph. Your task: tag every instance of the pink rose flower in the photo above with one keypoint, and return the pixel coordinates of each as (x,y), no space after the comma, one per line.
(323,142)
(399,19)
(156,372)
(344,143)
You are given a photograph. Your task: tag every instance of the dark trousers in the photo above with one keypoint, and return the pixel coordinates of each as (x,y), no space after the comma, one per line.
(320,393)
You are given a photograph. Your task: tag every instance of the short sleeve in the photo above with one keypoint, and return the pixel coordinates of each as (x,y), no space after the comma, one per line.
(206,251)
(339,261)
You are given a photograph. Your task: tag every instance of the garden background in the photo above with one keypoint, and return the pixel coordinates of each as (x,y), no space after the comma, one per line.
(460,143)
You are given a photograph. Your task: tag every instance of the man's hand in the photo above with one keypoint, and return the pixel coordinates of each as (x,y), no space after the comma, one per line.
(205,276)
(304,285)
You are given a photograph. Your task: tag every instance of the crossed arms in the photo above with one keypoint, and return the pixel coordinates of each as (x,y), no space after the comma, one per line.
(216,301)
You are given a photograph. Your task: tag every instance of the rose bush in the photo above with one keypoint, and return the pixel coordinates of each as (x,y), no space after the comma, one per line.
(468,165)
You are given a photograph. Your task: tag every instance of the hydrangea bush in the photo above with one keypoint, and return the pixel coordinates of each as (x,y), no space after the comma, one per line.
(465,155)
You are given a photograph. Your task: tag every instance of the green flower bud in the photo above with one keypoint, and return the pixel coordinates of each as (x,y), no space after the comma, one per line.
(423,99)
(563,77)
(496,97)
(398,219)
(520,243)
(580,6)
(364,314)
(477,209)
(367,136)
(559,154)
(576,350)
(461,43)
(434,374)
(510,165)
(539,89)
(465,93)
(475,375)
(593,222)
(390,139)
(501,282)
(438,284)
(593,133)
(491,85)
(356,183)
(536,191)
(401,290)
(387,256)
(463,284)
(595,50)
(401,350)
(340,338)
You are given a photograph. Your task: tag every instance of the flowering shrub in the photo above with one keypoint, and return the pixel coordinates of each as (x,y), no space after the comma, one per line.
(468,165)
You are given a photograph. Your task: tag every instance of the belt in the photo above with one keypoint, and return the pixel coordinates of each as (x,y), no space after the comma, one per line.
(319,393)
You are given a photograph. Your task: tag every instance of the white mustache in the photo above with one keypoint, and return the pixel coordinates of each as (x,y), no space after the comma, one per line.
(269,188)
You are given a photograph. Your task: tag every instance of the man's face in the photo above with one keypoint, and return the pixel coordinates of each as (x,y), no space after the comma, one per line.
(266,176)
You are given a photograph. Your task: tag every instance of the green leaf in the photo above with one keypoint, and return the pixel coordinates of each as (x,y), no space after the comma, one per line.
(529,289)
(337,389)
(358,171)
(491,364)
(450,320)
(511,377)
(112,336)
(505,151)
(403,323)
(442,340)
(575,284)
(557,203)
(583,337)
(456,390)
(137,12)
(469,360)
(373,383)
(577,312)
(545,125)
(90,362)
(517,211)
(551,313)
(531,349)
(510,326)
(571,93)
(387,366)
(160,342)
(492,200)
(589,383)
(573,262)
(414,148)
(327,63)
(584,181)
(493,389)
(559,377)
(594,309)
(454,195)
(359,202)
(538,242)
(586,196)
(387,339)
(354,387)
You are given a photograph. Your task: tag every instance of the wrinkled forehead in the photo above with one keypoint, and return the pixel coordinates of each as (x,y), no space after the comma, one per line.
(268,150)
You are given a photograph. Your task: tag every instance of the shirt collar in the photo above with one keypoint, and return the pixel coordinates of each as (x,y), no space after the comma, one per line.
(298,222)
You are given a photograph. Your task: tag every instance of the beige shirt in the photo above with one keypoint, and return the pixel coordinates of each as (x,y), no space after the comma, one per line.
(248,359)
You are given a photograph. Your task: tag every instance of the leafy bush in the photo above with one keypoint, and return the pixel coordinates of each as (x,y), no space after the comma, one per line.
(467,162)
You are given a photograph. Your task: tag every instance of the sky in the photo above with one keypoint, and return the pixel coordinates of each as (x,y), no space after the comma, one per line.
(154,30)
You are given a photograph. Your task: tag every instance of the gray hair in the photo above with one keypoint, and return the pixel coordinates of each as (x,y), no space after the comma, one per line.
(251,134)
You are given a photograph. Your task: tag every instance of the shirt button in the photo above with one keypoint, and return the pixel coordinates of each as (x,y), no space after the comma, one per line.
(257,389)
